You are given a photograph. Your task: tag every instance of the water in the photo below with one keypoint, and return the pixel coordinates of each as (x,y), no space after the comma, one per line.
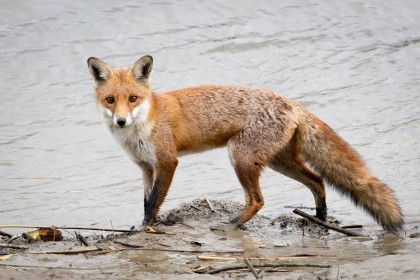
(355,65)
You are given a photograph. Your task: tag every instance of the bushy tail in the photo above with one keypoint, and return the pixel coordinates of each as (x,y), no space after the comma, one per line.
(343,168)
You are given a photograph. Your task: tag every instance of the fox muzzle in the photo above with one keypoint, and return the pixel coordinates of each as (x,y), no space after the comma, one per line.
(121,122)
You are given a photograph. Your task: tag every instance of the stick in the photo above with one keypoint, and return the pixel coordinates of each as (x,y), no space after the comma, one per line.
(353,226)
(46,267)
(128,244)
(141,247)
(2,233)
(65,227)
(81,238)
(301,207)
(13,246)
(209,258)
(13,238)
(209,203)
(324,224)
(86,250)
(249,264)
(234,267)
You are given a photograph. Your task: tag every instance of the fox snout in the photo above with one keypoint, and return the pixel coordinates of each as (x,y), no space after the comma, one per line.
(121,122)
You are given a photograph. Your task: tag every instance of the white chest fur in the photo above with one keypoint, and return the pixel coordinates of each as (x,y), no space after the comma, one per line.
(134,140)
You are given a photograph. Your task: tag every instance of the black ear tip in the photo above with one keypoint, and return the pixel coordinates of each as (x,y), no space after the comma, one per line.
(91,59)
(148,57)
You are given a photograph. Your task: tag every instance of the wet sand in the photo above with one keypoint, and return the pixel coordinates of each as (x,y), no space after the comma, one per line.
(192,231)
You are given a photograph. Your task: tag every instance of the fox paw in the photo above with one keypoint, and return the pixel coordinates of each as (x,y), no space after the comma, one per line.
(321,214)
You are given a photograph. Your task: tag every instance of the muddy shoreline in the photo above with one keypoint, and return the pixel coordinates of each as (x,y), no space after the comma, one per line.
(191,241)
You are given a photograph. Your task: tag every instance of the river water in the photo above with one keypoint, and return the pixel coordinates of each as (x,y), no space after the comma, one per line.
(354,64)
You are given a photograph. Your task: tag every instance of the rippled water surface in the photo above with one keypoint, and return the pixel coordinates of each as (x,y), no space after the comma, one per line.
(354,64)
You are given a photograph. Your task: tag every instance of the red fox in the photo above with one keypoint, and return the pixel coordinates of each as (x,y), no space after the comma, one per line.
(259,127)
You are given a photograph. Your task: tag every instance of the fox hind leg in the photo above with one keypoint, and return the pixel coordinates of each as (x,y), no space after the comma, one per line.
(293,166)
(249,152)
(248,173)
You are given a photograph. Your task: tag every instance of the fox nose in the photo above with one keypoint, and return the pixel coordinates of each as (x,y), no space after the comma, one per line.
(121,121)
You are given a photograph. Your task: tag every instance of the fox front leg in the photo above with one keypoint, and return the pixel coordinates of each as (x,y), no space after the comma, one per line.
(163,175)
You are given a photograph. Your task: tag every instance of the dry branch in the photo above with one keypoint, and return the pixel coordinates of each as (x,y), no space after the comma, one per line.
(235,267)
(67,227)
(81,238)
(69,252)
(13,246)
(209,203)
(2,233)
(251,267)
(141,247)
(46,267)
(211,258)
(326,225)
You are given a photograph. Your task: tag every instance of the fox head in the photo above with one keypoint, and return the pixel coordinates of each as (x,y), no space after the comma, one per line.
(123,94)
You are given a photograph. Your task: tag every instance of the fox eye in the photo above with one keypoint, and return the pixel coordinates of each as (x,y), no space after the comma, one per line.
(110,100)
(132,98)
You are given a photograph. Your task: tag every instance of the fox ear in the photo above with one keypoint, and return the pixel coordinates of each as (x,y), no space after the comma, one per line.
(99,70)
(142,69)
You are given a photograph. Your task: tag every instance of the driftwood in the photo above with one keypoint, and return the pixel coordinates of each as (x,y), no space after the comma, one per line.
(235,267)
(326,225)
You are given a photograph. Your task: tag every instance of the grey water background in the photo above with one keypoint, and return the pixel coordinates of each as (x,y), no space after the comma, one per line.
(354,64)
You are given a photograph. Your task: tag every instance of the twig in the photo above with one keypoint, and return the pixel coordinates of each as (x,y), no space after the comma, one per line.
(251,267)
(13,246)
(234,267)
(324,224)
(46,267)
(209,203)
(276,270)
(195,207)
(82,239)
(86,250)
(13,238)
(141,247)
(65,227)
(353,226)
(301,207)
(128,244)
(2,233)
(112,227)
(211,258)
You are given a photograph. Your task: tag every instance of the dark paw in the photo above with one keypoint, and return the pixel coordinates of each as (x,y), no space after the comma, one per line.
(147,222)
(321,214)
(235,220)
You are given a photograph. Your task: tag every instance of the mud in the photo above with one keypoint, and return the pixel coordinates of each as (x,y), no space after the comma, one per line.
(194,229)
